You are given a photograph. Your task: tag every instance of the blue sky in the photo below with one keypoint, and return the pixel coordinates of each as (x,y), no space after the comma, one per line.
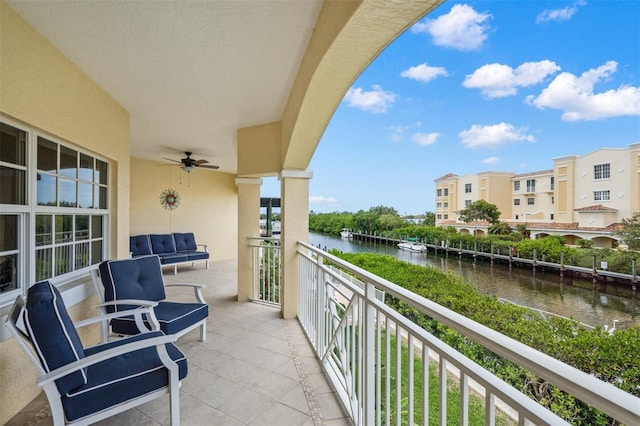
(478,86)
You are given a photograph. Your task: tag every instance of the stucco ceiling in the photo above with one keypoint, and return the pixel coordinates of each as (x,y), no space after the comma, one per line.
(190,73)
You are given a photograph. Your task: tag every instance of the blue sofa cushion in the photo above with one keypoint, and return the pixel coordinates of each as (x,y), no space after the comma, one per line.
(167,259)
(121,378)
(197,255)
(140,245)
(185,241)
(53,334)
(162,243)
(135,278)
(173,318)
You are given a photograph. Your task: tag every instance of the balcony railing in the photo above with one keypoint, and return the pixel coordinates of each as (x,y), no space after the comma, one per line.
(266,270)
(381,363)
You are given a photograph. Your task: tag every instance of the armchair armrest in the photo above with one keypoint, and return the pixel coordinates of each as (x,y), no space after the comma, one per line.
(197,289)
(158,341)
(204,246)
(145,308)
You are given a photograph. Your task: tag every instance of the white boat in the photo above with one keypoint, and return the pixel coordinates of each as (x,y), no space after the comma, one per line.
(345,233)
(412,246)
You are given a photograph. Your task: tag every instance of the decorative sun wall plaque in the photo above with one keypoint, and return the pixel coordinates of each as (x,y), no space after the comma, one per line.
(169,199)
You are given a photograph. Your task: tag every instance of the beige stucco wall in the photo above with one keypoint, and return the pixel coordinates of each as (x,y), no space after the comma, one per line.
(208,205)
(41,88)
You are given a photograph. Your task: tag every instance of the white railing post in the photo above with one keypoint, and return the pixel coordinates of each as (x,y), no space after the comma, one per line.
(368,359)
(321,308)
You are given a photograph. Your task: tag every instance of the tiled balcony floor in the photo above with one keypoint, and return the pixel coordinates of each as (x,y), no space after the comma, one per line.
(253,369)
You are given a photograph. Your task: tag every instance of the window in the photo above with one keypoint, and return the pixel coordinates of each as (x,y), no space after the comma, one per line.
(551,216)
(516,185)
(531,201)
(531,185)
(553,199)
(601,195)
(446,205)
(439,205)
(446,216)
(601,171)
(467,188)
(446,192)
(516,201)
(552,182)
(439,216)
(467,202)
(439,192)
(65,216)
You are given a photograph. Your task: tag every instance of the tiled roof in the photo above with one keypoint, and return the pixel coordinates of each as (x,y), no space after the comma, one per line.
(541,226)
(596,208)
(541,172)
(447,176)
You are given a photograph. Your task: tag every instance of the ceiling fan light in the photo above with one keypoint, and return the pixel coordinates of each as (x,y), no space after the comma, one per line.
(188,169)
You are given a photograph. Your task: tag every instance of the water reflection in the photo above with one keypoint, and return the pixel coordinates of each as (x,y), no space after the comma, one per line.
(547,291)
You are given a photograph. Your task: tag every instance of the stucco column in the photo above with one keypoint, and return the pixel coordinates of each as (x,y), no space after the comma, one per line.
(294,209)
(248,226)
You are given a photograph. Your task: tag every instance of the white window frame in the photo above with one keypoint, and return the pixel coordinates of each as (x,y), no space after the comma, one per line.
(602,171)
(26,268)
(602,195)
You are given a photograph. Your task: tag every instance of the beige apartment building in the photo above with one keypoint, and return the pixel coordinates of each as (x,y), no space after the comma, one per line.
(581,197)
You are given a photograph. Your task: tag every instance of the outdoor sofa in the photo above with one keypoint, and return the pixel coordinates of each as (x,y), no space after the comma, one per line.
(173,249)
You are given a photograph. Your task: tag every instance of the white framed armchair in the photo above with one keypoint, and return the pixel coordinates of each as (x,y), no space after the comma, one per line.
(85,385)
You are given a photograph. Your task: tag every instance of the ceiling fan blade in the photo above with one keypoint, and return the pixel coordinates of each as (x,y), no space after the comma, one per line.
(199,162)
(209,167)
(169,159)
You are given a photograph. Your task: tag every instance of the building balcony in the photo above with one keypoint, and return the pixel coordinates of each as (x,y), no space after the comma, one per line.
(337,362)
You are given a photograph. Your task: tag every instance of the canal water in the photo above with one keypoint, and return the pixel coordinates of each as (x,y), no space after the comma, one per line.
(545,291)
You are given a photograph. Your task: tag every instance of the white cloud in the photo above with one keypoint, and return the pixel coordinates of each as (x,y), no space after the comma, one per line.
(397,132)
(375,101)
(425,139)
(498,80)
(575,96)
(321,199)
(493,136)
(559,15)
(424,72)
(462,28)
(491,160)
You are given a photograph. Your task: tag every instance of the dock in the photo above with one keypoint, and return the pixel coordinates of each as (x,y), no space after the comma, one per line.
(597,275)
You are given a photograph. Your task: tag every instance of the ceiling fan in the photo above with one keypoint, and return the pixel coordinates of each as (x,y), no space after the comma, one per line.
(188,164)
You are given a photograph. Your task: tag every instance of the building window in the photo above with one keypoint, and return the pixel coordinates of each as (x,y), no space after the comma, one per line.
(467,188)
(439,192)
(438,205)
(439,216)
(553,200)
(467,202)
(446,192)
(516,201)
(531,185)
(516,185)
(446,205)
(601,171)
(531,201)
(65,216)
(552,183)
(601,195)
(551,216)
(446,216)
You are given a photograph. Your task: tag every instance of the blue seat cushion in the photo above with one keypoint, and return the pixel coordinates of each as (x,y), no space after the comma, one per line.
(140,245)
(162,243)
(196,255)
(172,316)
(121,378)
(168,259)
(138,278)
(185,241)
(53,334)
